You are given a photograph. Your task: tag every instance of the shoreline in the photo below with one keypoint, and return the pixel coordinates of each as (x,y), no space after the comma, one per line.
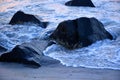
(14,71)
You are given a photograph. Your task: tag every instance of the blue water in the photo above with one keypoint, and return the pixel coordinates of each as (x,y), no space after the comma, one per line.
(102,54)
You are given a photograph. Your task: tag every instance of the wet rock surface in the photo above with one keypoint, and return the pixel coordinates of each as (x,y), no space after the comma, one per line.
(29,54)
(84,3)
(20,18)
(80,32)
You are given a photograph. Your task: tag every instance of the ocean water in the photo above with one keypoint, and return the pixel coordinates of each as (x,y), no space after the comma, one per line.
(102,54)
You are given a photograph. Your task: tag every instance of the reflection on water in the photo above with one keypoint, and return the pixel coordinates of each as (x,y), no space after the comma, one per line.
(1,1)
(8,4)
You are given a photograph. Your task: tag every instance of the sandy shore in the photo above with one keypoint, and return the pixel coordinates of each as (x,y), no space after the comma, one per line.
(54,71)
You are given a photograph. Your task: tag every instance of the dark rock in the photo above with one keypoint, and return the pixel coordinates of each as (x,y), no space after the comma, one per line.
(80,32)
(26,53)
(66,33)
(21,54)
(87,3)
(20,17)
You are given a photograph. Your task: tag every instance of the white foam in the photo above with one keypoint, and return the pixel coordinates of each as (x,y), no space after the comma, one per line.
(102,54)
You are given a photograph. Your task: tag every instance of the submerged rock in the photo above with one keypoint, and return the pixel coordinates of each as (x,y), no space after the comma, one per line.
(20,17)
(80,32)
(26,53)
(87,3)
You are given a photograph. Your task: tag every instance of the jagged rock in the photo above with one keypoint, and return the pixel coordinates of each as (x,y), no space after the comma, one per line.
(80,32)
(87,3)
(20,17)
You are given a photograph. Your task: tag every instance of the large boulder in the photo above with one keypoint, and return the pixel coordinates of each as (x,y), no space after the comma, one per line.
(87,3)
(26,53)
(80,32)
(20,17)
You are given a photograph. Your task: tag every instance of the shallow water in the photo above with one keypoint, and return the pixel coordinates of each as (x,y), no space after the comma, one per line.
(102,54)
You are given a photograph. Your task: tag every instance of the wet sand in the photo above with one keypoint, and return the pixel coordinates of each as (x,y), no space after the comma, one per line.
(54,71)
